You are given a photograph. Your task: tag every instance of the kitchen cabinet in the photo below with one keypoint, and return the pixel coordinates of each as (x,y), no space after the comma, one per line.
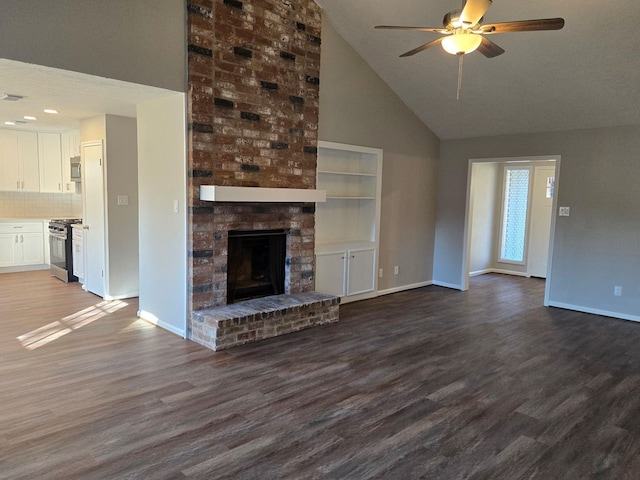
(50,161)
(346,273)
(19,171)
(70,142)
(21,244)
(347,224)
(77,245)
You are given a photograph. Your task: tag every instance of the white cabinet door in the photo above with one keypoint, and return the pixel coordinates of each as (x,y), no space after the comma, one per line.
(8,248)
(31,249)
(29,162)
(50,154)
(9,170)
(361,271)
(331,272)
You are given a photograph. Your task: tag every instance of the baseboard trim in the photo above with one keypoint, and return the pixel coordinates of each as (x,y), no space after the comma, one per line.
(447,285)
(152,319)
(121,297)
(595,311)
(480,272)
(508,272)
(402,288)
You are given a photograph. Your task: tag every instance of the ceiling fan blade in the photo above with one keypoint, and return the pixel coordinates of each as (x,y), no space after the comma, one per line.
(489,49)
(437,41)
(523,26)
(473,11)
(422,29)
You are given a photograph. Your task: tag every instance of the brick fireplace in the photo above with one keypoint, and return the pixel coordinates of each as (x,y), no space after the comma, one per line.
(253,69)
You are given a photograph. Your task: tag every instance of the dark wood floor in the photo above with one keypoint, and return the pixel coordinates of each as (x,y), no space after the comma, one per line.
(425,384)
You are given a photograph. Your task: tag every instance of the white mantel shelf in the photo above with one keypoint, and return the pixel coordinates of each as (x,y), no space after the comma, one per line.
(216,193)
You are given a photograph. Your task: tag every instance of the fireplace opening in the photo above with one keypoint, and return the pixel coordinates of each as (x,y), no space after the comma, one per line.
(255,264)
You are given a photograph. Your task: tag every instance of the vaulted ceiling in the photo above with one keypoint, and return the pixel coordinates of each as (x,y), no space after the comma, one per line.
(586,75)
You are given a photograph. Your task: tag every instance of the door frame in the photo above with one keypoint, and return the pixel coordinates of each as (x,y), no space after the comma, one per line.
(466,244)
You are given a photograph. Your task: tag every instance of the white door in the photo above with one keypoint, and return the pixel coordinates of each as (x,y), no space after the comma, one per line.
(362,271)
(9,171)
(50,155)
(8,249)
(541,211)
(94,218)
(330,273)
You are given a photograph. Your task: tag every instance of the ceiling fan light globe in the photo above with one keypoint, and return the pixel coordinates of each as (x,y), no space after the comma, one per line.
(461,43)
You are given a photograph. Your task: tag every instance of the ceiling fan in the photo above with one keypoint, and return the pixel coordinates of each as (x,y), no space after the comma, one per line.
(463,32)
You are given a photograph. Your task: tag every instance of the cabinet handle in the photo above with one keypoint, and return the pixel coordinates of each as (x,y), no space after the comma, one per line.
(18,184)
(17,238)
(59,186)
(21,238)
(23,185)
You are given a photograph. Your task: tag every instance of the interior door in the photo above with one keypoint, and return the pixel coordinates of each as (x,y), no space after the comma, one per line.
(541,211)
(94,218)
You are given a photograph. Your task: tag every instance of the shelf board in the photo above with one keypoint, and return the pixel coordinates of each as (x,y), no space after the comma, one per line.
(348,197)
(354,174)
(214,193)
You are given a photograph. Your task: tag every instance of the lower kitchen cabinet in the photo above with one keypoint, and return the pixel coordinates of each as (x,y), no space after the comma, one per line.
(77,244)
(21,244)
(347,273)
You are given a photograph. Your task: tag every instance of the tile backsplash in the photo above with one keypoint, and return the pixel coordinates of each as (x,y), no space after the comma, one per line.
(40,205)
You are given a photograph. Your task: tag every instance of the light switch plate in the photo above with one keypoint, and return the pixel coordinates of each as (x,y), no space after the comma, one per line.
(123,199)
(563,211)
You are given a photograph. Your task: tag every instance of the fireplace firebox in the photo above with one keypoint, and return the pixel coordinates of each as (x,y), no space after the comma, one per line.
(256,264)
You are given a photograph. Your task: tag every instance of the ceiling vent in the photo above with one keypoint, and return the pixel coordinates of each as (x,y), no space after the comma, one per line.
(10,97)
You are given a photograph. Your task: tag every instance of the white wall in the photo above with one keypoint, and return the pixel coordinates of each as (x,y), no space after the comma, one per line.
(483,201)
(596,247)
(163,238)
(357,107)
(141,41)
(118,135)
(121,153)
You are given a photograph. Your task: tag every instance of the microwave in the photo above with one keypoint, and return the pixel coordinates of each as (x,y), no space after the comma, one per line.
(76,168)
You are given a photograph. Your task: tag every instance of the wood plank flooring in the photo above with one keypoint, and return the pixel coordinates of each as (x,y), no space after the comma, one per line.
(425,384)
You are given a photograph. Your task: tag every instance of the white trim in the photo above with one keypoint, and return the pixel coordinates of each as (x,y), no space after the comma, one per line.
(216,193)
(447,285)
(122,296)
(509,272)
(152,319)
(349,147)
(595,311)
(480,272)
(404,287)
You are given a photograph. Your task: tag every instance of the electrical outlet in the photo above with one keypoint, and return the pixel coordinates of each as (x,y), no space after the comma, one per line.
(563,211)
(396,270)
(176,206)
(617,291)
(380,273)
(123,200)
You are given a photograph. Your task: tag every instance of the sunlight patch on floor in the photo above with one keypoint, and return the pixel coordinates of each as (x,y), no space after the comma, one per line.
(138,324)
(54,330)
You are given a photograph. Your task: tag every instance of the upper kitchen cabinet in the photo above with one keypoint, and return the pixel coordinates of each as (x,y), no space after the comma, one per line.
(19,161)
(50,155)
(70,148)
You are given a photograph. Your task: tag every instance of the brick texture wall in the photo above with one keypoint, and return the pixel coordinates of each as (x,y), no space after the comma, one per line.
(253,68)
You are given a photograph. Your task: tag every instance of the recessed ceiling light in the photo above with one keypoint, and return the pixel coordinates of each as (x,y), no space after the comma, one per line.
(29,117)
(50,110)
(9,123)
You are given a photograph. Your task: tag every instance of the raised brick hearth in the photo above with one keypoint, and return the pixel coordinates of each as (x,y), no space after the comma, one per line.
(261,318)
(253,117)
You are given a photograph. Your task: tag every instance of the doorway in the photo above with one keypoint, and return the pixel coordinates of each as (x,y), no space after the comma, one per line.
(485,215)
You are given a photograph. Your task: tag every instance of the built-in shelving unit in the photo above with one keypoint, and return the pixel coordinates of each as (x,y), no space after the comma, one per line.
(347,225)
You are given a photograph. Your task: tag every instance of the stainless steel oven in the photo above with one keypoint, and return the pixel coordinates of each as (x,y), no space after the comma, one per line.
(61,253)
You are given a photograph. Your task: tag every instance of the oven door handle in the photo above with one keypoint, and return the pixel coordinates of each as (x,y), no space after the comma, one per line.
(58,235)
